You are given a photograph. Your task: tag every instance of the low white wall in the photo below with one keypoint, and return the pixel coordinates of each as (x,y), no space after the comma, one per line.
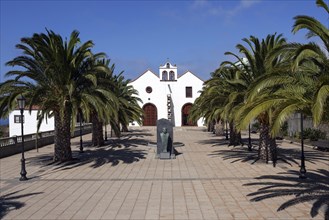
(30,123)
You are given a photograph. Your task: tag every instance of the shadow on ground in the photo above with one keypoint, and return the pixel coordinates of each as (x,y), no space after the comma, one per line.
(138,133)
(314,189)
(128,140)
(286,156)
(214,142)
(8,203)
(236,154)
(115,151)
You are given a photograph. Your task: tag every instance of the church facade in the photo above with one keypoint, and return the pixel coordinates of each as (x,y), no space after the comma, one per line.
(167,95)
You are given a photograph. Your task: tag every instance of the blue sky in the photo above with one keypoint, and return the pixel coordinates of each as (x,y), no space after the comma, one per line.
(140,35)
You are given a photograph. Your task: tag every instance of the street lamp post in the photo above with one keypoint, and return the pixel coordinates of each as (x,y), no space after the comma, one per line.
(226,135)
(302,165)
(249,140)
(21,105)
(80,119)
(105,132)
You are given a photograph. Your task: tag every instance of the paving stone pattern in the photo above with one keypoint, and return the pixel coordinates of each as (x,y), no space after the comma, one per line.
(123,180)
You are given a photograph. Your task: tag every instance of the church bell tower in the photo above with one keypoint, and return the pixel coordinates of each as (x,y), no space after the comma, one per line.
(168,72)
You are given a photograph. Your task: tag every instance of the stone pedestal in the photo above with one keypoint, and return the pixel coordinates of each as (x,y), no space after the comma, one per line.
(165,155)
(165,149)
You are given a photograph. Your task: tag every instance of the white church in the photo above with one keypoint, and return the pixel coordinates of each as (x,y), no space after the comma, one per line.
(167,95)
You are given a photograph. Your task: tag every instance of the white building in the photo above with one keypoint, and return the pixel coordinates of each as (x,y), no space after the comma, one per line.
(30,123)
(168,95)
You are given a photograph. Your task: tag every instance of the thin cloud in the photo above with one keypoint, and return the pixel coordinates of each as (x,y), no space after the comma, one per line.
(244,4)
(200,4)
(213,8)
(248,3)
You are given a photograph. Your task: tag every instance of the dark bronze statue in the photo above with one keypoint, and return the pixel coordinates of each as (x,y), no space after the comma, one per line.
(164,139)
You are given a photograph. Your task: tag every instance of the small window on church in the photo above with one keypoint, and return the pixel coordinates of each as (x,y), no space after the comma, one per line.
(148,89)
(164,75)
(188,91)
(168,65)
(171,75)
(17,118)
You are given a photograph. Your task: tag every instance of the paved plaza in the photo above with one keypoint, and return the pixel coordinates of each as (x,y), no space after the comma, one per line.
(207,180)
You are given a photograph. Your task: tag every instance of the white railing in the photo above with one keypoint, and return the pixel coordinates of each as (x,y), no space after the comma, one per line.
(18,139)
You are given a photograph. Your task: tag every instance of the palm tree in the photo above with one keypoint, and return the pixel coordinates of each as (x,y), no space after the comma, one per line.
(121,108)
(207,104)
(53,71)
(300,81)
(313,53)
(254,67)
(283,91)
(128,107)
(236,87)
(108,107)
(233,81)
(219,98)
(204,106)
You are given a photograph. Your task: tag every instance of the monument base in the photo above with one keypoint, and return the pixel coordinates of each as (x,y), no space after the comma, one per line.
(164,155)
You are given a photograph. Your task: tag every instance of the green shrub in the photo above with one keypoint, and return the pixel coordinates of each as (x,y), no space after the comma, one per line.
(284,129)
(313,134)
(255,126)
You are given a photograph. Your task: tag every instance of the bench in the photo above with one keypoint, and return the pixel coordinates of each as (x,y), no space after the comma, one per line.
(321,145)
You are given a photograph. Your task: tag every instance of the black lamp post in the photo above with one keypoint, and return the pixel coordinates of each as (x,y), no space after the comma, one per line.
(105,132)
(21,106)
(249,140)
(226,135)
(80,119)
(302,165)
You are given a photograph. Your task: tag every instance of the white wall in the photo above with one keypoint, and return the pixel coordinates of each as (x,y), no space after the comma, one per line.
(30,123)
(160,89)
(186,80)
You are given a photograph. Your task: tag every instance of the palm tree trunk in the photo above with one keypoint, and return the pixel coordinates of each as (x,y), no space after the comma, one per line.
(124,128)
(235,136)
(267,150)
(97,130)
(62,136)
(209,127)
(219,128)
(100,136)
(272,150)
(263,139)
(115,128)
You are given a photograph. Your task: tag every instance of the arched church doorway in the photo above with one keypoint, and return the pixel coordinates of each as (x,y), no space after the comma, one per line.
(185,113)
(150,115)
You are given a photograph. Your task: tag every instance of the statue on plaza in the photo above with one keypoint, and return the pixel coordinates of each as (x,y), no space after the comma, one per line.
(165,149)
(164,139)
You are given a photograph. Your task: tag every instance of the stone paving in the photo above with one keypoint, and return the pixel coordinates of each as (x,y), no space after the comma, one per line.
(123,180)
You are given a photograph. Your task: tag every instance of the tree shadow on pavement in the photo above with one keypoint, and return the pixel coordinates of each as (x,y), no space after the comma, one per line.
(8,203)
(127,141)
(314,189)
(238,154)
(290,156)
(214,142)
(138,133)
(121,150)
(223,141)
(286,155)
(105,155)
